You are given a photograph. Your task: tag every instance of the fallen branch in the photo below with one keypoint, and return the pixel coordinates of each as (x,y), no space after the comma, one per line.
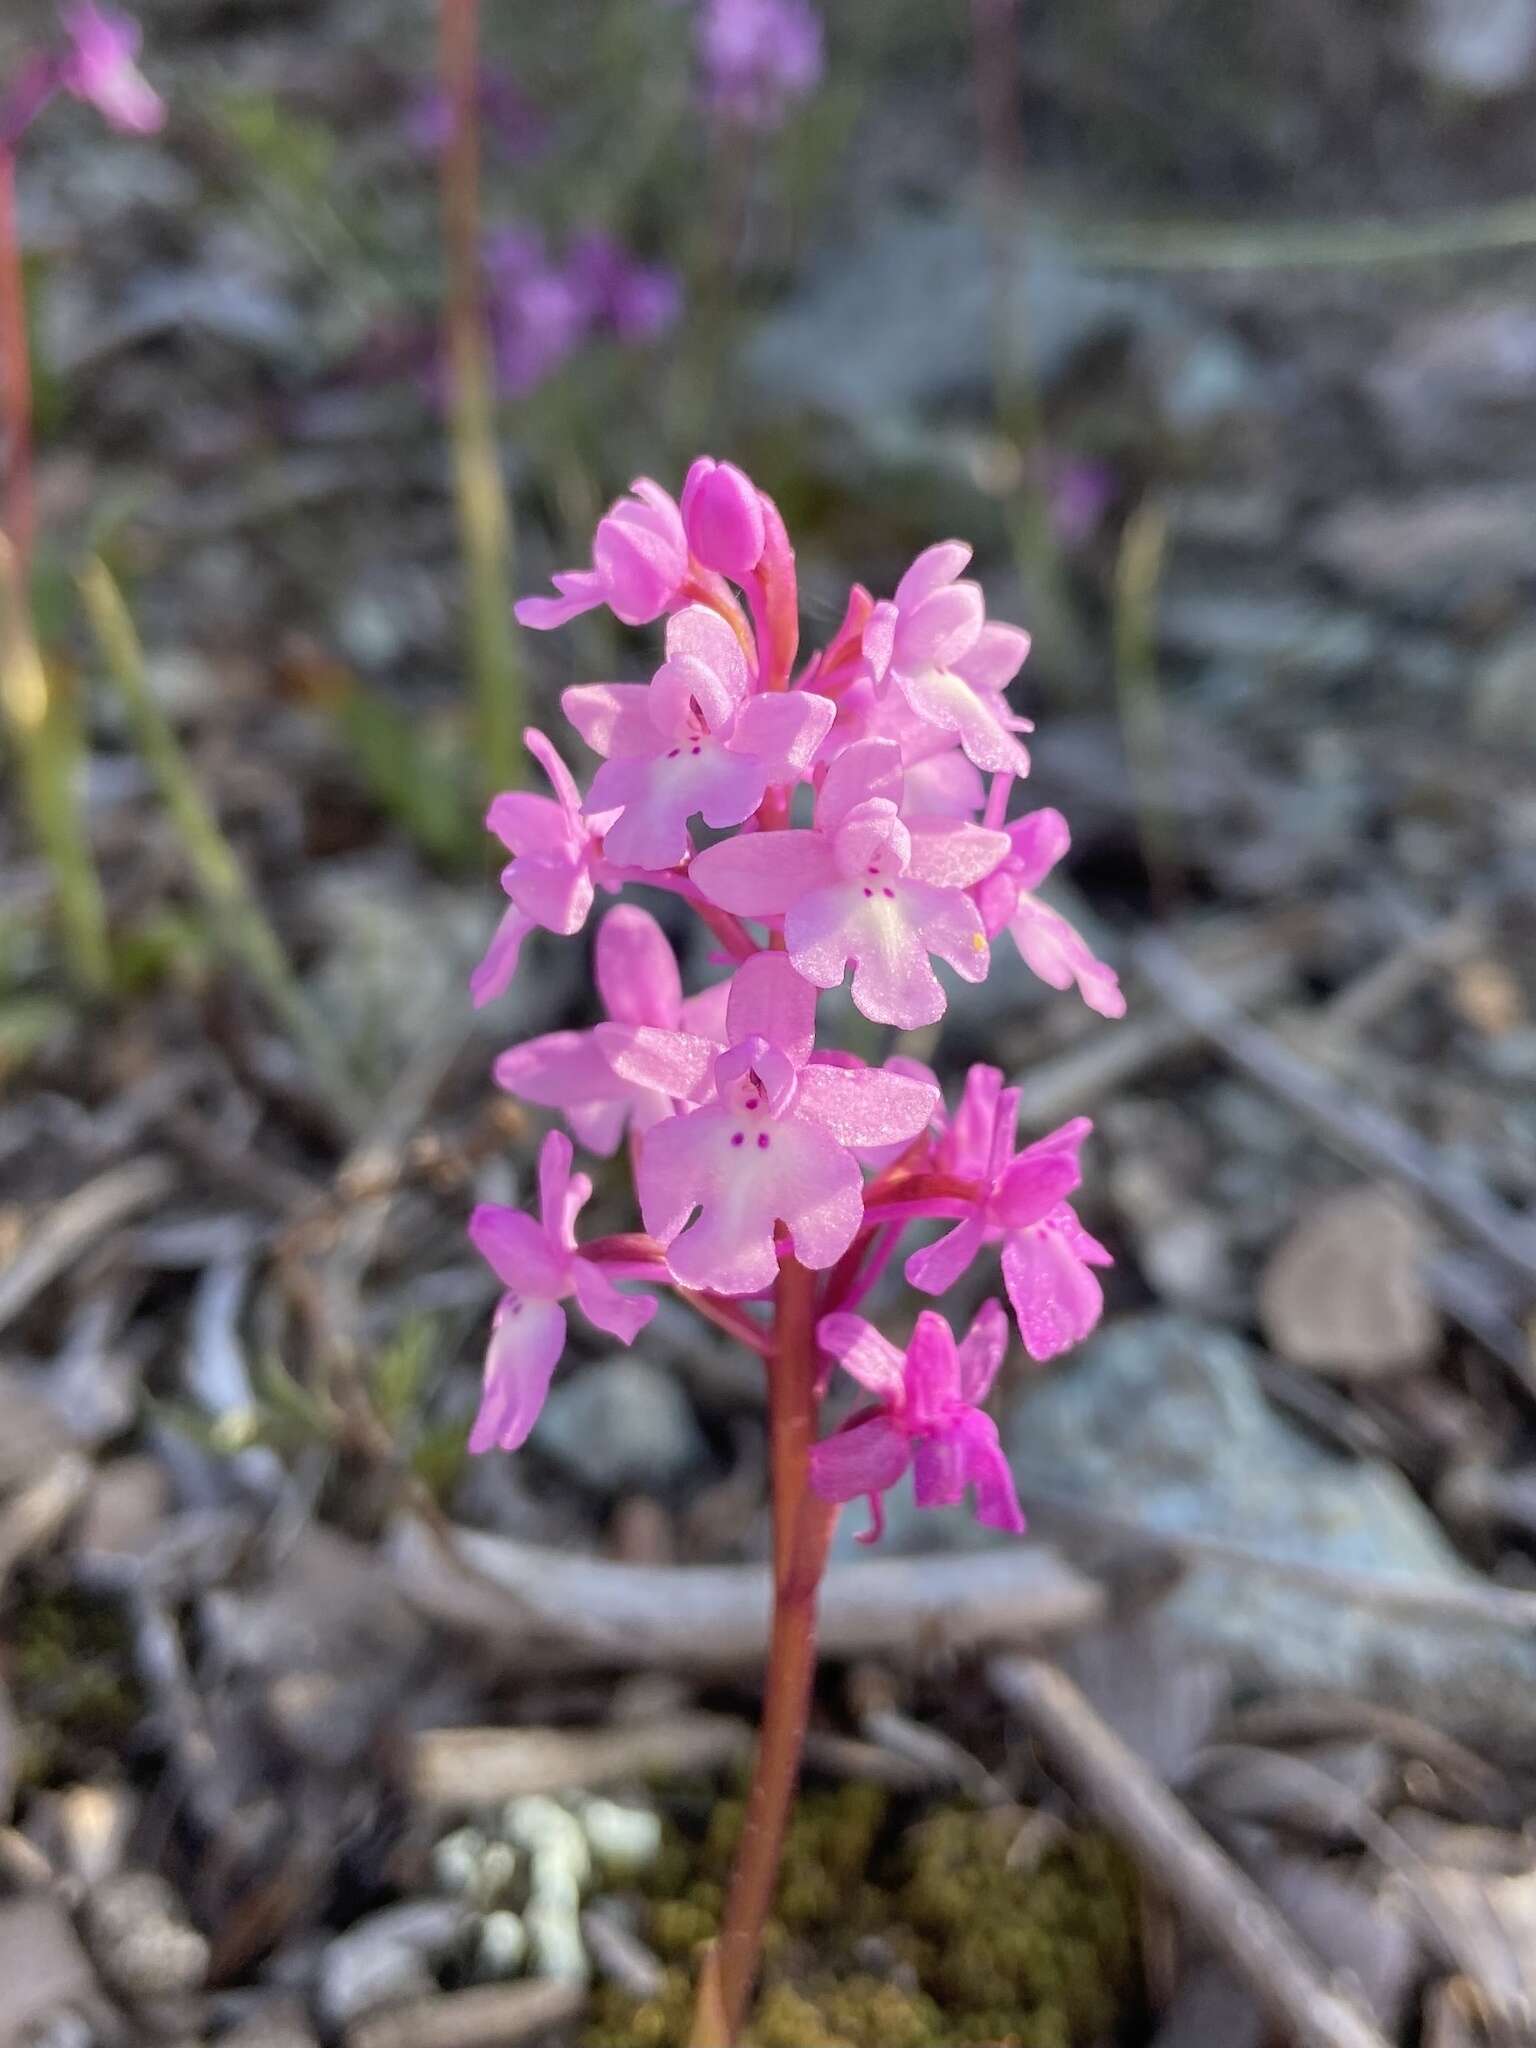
(482,1766)
(572,1612)
(489,2016)
(1360,1131)
(75,1224)
(1217,1898)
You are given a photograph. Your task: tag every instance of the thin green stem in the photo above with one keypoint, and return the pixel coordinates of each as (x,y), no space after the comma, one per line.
(44,727)
(485,519)
(240,921)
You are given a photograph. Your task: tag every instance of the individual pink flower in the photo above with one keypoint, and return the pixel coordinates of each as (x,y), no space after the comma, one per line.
(759,58)
(540,1266)
(769,1141)
(929,1417)
(694,740)
(865,885)
(637,978)
(723,516)
(1020,1202)
(935,645)
(549,880)
(1050,946)
(99,68)
(639,564)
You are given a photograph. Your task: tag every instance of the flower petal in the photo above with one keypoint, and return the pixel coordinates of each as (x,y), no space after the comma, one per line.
(760,874)
(770,1000)
(636,969)
(1055,1297)
(865,1355)
(494,974)
(974,716)
(867,1458)
(935,1268)
(519,1252)
(996,657)
(1040,839)
(613,718)
(621,1315)
(1058,953)
(783,730)
(984,1467)
(783,1171)
(980,1352)
(527,1339)
(863,1106)
(673,1062)
(862,772)
(953,856)
(933,1371)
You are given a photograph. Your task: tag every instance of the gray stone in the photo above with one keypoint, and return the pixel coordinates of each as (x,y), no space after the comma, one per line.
(622,1425)
(1161,1419)
(1278,634)
(45,1974)
(1439,548)
(1344,1291)
(142,1939)
(1484,48)
(1504,692)
(908,365)
(386,1957)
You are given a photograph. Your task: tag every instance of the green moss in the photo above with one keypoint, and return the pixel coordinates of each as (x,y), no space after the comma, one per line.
(72,1680)
(978,1952)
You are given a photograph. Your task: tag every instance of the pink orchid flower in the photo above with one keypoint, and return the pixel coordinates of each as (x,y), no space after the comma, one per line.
(1046,1253)
(540,1266)
(549,880)
(769,1140)
(1049,945)
(865,885)
(694,740)
(639,565)
(950,663)
(100,68)
(723,517)
(929,1418)
(637,978)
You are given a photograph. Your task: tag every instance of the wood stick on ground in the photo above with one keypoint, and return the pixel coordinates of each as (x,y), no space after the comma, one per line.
(1217,1899)
(488,2016)
(72,1226)
(481,1766)
(1357,1129)
(571,1612)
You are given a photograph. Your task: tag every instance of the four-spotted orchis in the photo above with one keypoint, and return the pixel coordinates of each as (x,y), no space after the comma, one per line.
(850,819)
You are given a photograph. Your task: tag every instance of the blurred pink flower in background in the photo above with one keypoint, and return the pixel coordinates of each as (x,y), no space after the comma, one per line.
(100,67)
(759,57)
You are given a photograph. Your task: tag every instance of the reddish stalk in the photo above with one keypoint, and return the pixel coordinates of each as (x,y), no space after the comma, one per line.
(15,375)
(802,1533)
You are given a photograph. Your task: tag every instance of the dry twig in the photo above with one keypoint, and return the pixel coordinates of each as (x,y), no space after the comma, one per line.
(76,1223)
(571,1612)
(479,1766)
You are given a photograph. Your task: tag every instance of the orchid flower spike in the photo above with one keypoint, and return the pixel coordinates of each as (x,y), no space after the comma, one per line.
(865,885)
(540,1266)
(639,565)
(763,1136)
(1049,946)
(549,878)
(936,647)
(693,741)
(1021,1204)
(99,67)
(929,1418)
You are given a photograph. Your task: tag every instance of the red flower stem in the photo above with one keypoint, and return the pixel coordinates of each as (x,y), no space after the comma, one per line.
(802,1533)
(15,376)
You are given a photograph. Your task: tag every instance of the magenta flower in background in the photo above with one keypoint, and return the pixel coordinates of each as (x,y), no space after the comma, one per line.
(100,67)
(694,740)
(769,1140)
(540,1266)
(759,58)
(639,565)
(509,121)
(1049,945)
(929,1418)
(637,978)
(634,301)
(865,886)
(542,309)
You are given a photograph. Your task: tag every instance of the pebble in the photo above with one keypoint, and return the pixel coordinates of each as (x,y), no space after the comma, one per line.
(622,1425)
(142,1940)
